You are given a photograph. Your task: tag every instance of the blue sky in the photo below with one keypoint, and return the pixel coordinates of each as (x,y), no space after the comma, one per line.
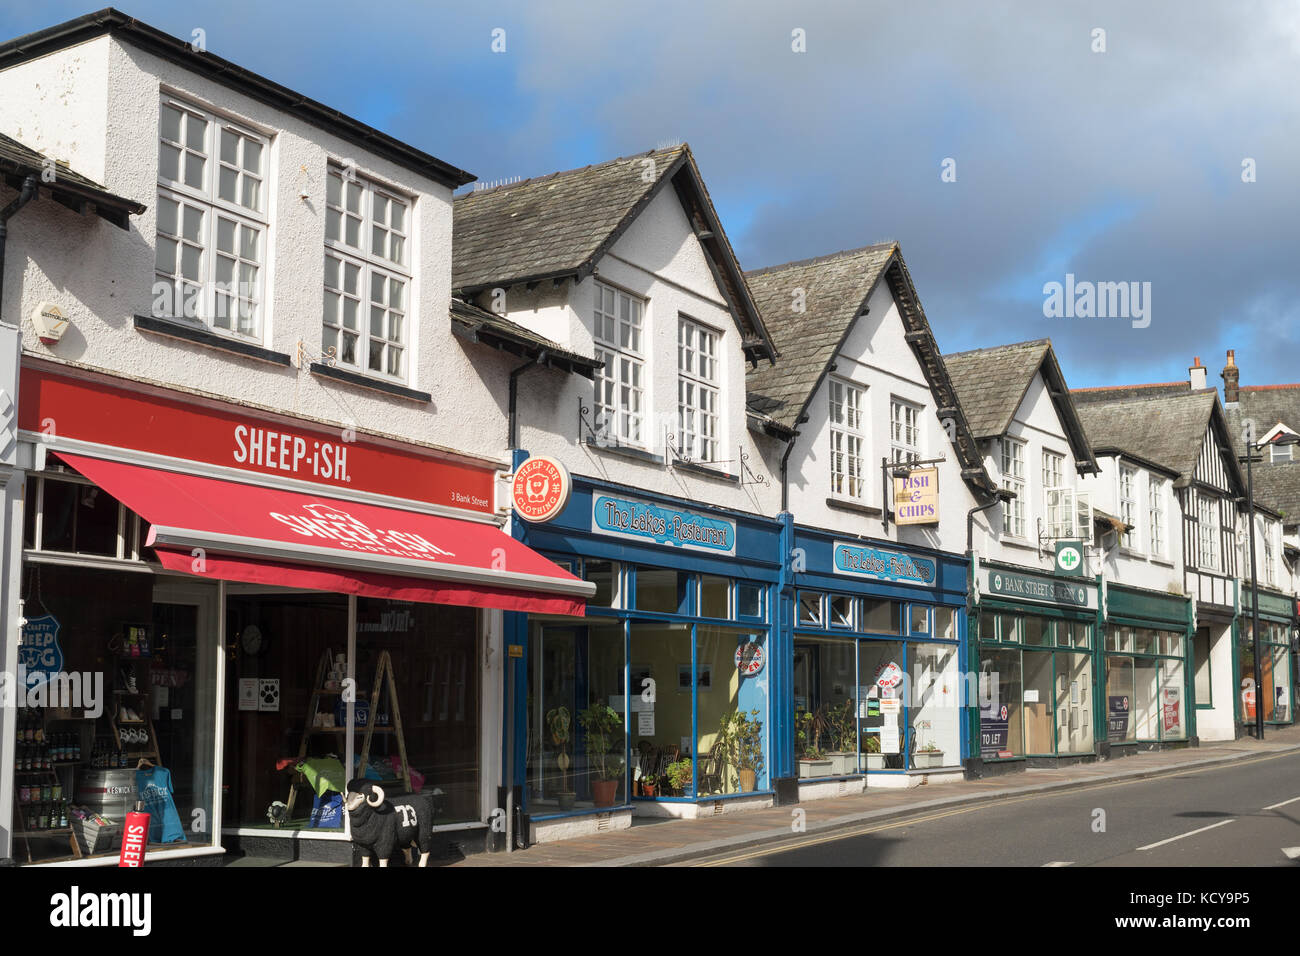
(1122,165)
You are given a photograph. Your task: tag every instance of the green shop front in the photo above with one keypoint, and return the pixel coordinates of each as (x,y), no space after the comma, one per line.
(1034,637)
(1276,693)
(1149,671)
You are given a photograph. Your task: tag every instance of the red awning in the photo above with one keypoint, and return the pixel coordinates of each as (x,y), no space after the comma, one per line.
(230,531)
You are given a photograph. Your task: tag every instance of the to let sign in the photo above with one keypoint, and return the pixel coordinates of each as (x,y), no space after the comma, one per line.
(916,497)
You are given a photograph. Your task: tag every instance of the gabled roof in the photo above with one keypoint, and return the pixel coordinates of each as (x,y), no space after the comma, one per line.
(473,324)
(1266,406)
(1168,429)
(68,187)
(835,291)
(558,227)
(992,383)
(118,24)
(1277,487)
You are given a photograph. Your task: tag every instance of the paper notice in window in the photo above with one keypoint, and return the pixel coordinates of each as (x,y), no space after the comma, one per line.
(889,740)
(645,723)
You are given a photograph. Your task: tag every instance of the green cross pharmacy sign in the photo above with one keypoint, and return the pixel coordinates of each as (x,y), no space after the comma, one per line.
(1069,558)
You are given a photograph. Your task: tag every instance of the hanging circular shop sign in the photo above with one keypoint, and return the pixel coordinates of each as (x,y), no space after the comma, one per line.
(540,489)
(750,657)
(889,675)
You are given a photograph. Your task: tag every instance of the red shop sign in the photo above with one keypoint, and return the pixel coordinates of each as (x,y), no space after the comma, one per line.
(540,489)
(167,423)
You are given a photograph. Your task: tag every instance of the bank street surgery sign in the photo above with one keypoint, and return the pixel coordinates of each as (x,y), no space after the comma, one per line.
(627,518)
(1026,587)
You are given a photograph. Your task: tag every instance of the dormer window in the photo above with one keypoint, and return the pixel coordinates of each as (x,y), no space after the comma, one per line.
(211,225)
(1128,510)
(904,430)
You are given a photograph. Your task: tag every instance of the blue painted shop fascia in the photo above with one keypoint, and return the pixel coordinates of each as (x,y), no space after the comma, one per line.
(818,546)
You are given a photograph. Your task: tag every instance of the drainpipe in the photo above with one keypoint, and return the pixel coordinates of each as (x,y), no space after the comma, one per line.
(513,437)
(785,459)
(27,194)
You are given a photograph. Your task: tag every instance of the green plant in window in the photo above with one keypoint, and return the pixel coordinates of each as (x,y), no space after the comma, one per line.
(929,748)
(871,744)
(560,726)
(809,728)
(604,729)
(680,774)
(741,736)
(842,726)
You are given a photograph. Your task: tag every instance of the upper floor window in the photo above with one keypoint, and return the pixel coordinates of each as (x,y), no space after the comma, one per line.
(211,225)
(697,391)
(1207,514)
(1013,480)
(620,385)
(367,281)
(904,430)
(1279,452)
(848,462)
(1270,556)
(1128,503)
(1057,506)
(1156,513)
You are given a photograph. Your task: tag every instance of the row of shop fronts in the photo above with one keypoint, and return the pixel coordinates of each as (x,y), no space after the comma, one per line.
(636,654)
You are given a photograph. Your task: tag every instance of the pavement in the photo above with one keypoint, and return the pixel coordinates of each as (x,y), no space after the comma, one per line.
(655,842)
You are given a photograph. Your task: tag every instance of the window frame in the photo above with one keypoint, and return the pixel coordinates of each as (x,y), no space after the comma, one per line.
(1128,510)
(699,440)
(1156,515)
(370,266)
(900,451)
(614,355)
(846,433)
(206,200)
(1014,516)
(1208,537)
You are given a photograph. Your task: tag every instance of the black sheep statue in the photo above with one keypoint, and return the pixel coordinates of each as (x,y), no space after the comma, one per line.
(380,825)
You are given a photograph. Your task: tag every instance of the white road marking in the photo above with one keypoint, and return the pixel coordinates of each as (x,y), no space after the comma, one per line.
(1282,804)
(1060,863)
(1152,846)
(1291,852)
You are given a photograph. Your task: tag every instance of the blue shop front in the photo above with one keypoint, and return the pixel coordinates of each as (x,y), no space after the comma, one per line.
(878,654)
(660,698)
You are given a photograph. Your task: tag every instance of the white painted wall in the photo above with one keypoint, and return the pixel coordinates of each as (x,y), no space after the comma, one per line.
(1137,565)
(1217,723)
(658,259)
(103,101)
(876,357)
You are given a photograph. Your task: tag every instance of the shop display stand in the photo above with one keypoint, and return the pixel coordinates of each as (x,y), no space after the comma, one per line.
(140,699)
(27,833)
(319,691)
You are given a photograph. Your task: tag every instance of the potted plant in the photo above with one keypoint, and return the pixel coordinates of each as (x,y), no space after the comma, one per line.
(560,726)
(648,785)
(927,757)
(680,775)
(604,731)
(741,735)
(843,730)
(871,748)
(809,728)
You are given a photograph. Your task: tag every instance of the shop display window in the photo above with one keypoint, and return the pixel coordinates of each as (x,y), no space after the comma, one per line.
(749,601)
(71,515)
(934,711)
(715,596)
(825,707)
(603,574)
(882,617)
(1120,696)
(662,738)
(883,678)
(120,708)
(732,714)
(662,590)
(1001,700)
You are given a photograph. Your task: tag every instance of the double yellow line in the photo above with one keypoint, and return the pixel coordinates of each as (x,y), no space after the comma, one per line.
(990,804)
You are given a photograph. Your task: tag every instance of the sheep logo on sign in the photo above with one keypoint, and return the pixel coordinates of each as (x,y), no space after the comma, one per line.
(40,655)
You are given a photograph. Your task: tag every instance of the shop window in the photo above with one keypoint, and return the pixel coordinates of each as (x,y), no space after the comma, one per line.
(1037,631)
(841,610)
(1171,643)
(1278,680)
(882,617)
(810,608)
(1000,700)
(1008,627)
(133,718)
(1147,641)
(1201,673)
(945,623)
(662,738)
(1040,730)
(78,518)
(662,590)
(920,619)
(1146,699)
(1173,724)
(883,676)
(825,707)
(715,594)
(1074,732)
(934,705)
(574,744)
(603,574)
(732,714)
(749,600)
(1120,698)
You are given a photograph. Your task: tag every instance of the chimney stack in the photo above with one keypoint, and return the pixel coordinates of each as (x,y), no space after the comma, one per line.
(1231,378)
(1196,374)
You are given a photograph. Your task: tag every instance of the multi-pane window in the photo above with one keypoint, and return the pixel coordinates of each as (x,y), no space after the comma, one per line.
(1270,556)
(848,464)
(367,279)
(904,431)
(1057,506)
(1156,513)
(1207,513)
(620,387)
(1128,503)
(211,221)
(1280,452)
(1013,480)
(697,391)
